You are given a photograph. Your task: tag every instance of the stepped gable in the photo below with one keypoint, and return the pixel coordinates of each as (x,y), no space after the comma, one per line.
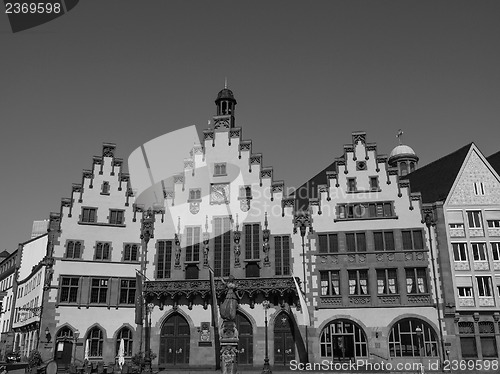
(441,172)
(494,161)
(310,191)
(106,161)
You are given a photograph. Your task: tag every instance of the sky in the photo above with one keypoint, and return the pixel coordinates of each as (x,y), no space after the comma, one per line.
(306,74)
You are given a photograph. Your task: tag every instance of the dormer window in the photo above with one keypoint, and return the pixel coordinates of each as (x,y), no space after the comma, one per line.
(374,184)
(478,188)
(220,169)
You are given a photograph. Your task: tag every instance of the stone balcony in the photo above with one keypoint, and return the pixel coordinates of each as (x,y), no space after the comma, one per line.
(462,265)
(476,232)
(457,232)
(494,231)
(466,301)
(481,265)
(486,301)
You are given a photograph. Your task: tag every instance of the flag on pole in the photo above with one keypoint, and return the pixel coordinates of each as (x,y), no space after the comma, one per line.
(306,318)
(139,302)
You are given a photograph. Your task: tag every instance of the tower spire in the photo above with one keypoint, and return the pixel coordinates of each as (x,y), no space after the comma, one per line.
(225,82)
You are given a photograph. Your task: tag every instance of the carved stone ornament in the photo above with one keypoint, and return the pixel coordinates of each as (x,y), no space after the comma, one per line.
(245,205)
(229,359)
(194,207)
(237,251)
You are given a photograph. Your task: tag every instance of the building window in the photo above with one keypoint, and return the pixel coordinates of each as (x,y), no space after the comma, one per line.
(99,290)
(456,225)
(105,188)
(464,291)
(405,340)
(474,219)
(493,223)
(495,249)
(365,210)
(356,242)
(484,286)
(102,251)
(358,282)
(416,280)
(220,169)
(116,217)
(374,184)
(245,192)
(479,252)
(95,339)
(164,259)
(467,339)
(478,188)
(351,184)
(252,270)
(69,289)
(193,243)
(403,168)
(73,249)
(460,251)
(343,340)
(89,215)
(282,255)
(330,283)
(195,194)
(487,339)
(192,271)
(328,243)
(222,246)
(252,240)
(130,252)
(127,336)
(384,240)
(387,281)
(412,239)
(127,291)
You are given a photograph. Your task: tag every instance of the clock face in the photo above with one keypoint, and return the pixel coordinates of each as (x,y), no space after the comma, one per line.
(219,193)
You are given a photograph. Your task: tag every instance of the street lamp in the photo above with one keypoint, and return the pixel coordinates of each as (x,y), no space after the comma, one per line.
(418,330)
(266,369)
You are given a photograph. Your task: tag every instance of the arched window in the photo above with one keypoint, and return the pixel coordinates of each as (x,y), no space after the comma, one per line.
(127,336)
(412,167)
(412,337)
(95,338)
(343,340)
(403,170)
(65,333)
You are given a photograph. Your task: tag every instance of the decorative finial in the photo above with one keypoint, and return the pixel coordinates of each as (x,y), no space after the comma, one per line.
(237,223)
(179,225)
(225,82)
(206,223)
(265,220)
(399,136)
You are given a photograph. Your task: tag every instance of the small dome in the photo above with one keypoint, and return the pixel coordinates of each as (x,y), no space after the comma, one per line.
(402,150)
(225,93)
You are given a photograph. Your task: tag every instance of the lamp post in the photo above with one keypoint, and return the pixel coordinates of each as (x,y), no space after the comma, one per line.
(266,369)
(418,330)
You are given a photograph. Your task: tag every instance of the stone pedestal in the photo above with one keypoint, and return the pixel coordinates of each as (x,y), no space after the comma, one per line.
(229,348)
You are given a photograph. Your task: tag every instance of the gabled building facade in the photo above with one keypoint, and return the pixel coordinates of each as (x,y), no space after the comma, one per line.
(8,268)
(461,192)
(369,267)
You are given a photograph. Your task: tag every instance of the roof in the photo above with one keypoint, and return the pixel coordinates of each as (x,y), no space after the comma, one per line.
(435,180)
(402,149)
(225,93)
(494,161)
(4,254)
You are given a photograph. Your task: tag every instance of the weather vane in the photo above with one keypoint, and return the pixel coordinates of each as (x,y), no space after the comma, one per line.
(399,136)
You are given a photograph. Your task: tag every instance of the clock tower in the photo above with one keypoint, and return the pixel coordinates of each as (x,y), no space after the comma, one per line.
(225,103)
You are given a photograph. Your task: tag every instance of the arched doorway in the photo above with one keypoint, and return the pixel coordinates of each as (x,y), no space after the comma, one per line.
(64,347)
(174,341)
(343,340)
(284,342)
(245,346)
